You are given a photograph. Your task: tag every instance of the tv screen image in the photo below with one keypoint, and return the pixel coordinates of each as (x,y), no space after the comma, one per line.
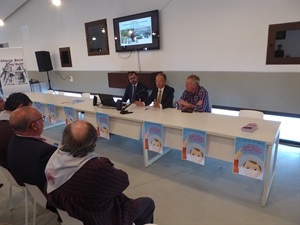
(137,32)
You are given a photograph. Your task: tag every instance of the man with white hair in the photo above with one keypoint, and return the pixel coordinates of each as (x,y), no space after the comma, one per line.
(195,97)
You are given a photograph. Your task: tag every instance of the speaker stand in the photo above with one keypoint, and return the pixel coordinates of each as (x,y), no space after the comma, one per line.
(49,84)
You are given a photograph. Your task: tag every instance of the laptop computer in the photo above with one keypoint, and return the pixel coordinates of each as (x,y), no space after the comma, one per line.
(107,100)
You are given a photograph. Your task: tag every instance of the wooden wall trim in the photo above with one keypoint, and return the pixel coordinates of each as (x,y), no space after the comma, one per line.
(120,79)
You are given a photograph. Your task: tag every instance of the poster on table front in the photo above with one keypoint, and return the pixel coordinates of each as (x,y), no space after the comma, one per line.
(39,106)
(193,145)
(13,72)
(52,118)
(69,115)
(249,158)
(102,125)
(153,137)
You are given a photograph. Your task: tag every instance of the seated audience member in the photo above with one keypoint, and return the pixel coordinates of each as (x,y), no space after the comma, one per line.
(28,153)
(135,91)
(89,187)
(14,101)
(162,96)
(195,97)
(1,109)
(2,102)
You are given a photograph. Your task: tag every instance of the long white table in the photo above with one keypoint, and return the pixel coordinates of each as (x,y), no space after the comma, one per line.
(221,130)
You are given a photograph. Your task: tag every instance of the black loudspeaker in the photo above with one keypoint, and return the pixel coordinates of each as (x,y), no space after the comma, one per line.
(44,61)
(119,105)
(95,101)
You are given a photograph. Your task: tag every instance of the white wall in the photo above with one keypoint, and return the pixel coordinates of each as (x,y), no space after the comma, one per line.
(212,38)
(195,35)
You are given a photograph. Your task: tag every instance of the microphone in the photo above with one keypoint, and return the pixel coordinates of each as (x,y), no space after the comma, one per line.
(138,95)
(140,92)
(124,111)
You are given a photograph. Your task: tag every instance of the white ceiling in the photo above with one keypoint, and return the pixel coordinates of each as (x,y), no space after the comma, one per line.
(7,7)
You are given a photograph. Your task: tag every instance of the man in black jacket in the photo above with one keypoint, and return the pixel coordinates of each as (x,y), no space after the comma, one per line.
(162,96)
(13,102)
(28,153)
(135,91)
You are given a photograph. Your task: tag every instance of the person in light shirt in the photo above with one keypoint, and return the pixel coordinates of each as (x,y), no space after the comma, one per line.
(195,97)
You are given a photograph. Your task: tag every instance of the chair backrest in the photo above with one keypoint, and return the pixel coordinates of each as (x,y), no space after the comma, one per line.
(68,220)
(251,114)
(13,182)
(37,195)
(85,95)
(9,177)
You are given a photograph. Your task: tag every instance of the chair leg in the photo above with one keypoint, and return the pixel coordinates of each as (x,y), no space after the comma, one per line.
(34,212)
(10,201)
(26,206)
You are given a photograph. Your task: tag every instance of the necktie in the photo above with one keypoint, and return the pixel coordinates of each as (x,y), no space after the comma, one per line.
(133,93)
(159,96)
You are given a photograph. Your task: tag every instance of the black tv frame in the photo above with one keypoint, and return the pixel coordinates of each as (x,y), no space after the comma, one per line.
(138,47)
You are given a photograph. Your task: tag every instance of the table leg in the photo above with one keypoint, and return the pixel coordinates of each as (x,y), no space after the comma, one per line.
(269,169)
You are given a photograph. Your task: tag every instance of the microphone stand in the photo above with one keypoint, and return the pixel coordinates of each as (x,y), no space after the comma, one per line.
(138,95)
(124,111)
(49,84)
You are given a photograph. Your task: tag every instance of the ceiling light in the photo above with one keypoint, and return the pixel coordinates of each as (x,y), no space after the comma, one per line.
(1,23)
(56,2)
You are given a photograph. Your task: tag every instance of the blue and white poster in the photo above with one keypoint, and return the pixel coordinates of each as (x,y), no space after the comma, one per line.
(52,118)
(153,137)
(102,125)
(70,115)
(249,158)
(39,106)
(194,145)
(13,72)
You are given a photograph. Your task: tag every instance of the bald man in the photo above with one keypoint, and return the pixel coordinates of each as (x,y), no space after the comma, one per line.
(28,153)
(89,187)
(14,101)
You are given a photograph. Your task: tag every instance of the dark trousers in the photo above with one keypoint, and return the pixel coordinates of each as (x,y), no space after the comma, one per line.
(146,209)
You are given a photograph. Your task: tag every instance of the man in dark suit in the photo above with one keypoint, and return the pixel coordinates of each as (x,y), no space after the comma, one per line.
(13,102)
(28,153)
(135,91)
(162,96)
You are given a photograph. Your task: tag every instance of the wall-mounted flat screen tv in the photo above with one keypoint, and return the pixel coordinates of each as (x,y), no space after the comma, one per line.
(138,32)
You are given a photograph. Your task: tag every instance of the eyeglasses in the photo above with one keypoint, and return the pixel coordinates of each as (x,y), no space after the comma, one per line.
(41,118)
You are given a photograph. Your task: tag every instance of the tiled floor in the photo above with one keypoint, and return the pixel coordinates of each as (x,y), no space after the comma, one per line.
(187,193)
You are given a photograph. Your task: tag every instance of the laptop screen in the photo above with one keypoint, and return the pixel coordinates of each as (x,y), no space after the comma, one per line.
(107,100)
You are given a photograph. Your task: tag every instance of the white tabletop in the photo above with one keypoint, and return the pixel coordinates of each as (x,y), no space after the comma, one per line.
(213,124)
